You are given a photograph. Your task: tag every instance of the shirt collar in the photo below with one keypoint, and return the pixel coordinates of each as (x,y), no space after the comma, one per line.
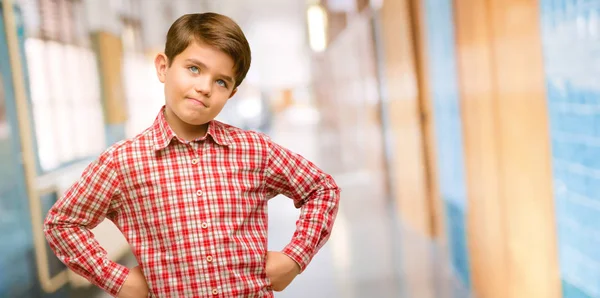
(163,134)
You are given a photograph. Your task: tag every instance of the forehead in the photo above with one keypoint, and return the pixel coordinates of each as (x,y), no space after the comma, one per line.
(210,56)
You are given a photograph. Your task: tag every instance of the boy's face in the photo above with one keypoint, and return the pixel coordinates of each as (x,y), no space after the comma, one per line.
(197,84)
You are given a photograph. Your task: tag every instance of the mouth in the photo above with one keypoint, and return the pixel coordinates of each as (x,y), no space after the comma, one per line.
(197,101)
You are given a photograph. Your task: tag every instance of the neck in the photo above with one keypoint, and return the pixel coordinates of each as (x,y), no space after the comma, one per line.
(184,130)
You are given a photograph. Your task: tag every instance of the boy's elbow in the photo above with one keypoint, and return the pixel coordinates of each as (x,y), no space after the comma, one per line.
(330,190)
(49,225)
(331,185)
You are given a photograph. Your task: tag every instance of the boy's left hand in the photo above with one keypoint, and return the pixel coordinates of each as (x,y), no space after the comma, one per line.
(281,270)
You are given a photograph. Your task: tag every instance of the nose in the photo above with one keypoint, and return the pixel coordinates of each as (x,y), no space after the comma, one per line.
(203,85)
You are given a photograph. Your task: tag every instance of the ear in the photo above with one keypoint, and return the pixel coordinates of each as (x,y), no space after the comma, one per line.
(233,92)
(161,62)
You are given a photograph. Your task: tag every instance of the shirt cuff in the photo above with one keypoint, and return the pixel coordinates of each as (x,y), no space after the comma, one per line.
(297,252)
(113,278)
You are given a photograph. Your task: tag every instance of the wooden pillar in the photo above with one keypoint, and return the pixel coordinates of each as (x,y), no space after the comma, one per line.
(485,214)
(434,201)
(109,52)
(401,75)
(510,220)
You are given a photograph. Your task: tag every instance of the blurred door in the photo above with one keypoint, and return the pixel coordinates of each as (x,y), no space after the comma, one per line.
(17,270)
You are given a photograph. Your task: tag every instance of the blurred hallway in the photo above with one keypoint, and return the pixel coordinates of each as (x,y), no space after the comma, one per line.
(464,135)
(364,256)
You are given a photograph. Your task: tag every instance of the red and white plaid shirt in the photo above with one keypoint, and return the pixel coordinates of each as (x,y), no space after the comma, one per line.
(194,213)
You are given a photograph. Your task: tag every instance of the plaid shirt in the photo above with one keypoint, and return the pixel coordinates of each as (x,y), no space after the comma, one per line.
(194,213)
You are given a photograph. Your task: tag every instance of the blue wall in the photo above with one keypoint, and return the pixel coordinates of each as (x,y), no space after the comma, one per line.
(571,46)
(18,271)
(448,130)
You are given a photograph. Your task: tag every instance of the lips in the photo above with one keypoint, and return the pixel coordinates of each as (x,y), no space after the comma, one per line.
(198,101)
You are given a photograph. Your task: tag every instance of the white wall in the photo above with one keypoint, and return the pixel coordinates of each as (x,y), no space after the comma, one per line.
(275,29)
(102,16)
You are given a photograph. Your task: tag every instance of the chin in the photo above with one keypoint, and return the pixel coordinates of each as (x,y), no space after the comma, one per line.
(194,120)
(189,117)
(197,122)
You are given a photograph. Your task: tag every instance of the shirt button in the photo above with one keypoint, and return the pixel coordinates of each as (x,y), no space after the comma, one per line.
(195,161)
(199,193)
(215,291)
(209,259)
(204,225)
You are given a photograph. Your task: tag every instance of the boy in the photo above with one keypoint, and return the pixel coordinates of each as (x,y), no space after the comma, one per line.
(190,193)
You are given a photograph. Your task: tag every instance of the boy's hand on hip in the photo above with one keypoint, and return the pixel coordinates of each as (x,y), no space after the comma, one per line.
(135,285)
(281,270)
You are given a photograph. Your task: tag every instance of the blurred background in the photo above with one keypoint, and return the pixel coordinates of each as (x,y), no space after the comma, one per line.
(465,134)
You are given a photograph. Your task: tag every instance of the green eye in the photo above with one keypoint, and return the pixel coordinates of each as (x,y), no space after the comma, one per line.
(194,69)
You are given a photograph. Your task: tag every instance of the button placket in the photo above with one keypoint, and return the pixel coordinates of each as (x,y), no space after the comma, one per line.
(209,259)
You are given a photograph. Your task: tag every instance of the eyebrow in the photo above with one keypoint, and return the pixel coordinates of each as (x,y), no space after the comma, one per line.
(197,62)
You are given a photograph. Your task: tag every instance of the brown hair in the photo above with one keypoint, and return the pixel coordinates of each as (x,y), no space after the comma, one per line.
(215,30)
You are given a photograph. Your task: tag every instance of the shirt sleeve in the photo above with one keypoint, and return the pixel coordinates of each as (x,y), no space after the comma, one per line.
(312,190)
(68,223)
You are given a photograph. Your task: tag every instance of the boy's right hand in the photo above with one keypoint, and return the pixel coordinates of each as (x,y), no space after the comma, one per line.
(135,285)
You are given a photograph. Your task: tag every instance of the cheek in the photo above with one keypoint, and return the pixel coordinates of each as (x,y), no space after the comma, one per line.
(219,106)
(177,83)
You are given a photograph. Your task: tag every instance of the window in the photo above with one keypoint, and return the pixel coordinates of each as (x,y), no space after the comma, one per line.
(143,91)
(64,83)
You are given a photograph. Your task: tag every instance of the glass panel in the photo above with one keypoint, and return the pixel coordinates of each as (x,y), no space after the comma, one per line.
(571,43)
